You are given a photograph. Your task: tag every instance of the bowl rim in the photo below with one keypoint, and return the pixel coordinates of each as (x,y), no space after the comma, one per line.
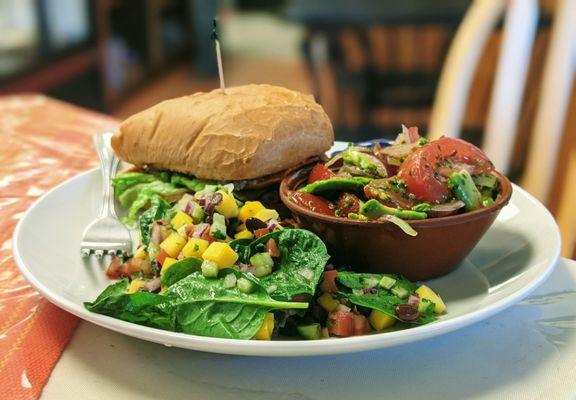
(499,203)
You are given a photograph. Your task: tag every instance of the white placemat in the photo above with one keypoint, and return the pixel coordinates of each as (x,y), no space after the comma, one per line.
(526,352)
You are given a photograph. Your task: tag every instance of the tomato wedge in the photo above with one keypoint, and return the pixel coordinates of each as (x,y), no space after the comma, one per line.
(319,173)
(312,203)
(426,171)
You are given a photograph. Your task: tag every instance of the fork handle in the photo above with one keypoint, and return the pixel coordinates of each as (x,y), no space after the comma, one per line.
(109,164)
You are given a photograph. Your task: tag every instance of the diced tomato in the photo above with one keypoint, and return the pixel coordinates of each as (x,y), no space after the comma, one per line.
(361,325)
(113,271)
(161,256)
(328,285)
(347,203)
(299,298)
(426,171)
(312,203)
(134,265)
(319,173)
(272,248)
(261,232)
(341,323)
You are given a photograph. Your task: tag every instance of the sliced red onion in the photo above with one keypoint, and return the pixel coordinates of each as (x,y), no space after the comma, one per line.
(406,134)
(202,202)
(443,210)
(200,230)
(400,223)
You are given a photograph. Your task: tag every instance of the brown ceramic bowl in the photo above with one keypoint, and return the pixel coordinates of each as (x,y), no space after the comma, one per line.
(381,247)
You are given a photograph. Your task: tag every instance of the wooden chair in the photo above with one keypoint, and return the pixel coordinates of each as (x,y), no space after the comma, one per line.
(520,22)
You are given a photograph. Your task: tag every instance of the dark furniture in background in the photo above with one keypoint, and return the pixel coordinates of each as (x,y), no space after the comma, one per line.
(375,63)
(126,42)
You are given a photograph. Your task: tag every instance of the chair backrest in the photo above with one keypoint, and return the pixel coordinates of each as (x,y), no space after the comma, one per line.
(520,22)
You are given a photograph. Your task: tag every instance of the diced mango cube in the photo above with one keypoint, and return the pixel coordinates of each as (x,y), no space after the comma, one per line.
(328,302)
(245,234)
(227,206)
(141,253)
(168,261)
(265,331)
(424,292)
(380,321)
(136,285)
(220,254)
(195,247)
(266,215)
(240,228)
(249,209)
(180,219)
(173,244)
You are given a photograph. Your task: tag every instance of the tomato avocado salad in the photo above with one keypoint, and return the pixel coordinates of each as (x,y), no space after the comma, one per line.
(209,264)
(411,179)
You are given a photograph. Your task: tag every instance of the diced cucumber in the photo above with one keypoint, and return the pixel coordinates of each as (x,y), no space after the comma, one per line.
(218,228)
(310,332)
(486,180)
(245,286)
(230,281)
(370,282)
(263,264)
(197,213)
(400,292)
(425,305)
(387,282)
(209,269)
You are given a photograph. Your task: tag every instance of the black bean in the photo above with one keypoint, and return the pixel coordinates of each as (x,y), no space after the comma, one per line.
(253,224)
(406,312)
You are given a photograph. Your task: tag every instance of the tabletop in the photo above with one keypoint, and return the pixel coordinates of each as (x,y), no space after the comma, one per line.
(525,352)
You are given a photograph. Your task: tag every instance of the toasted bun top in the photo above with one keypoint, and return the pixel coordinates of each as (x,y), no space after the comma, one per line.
(249,132)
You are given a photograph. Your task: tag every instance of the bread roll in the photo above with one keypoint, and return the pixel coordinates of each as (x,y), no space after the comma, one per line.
(249,132)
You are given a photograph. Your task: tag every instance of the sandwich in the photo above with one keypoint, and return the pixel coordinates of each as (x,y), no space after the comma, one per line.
(247,137)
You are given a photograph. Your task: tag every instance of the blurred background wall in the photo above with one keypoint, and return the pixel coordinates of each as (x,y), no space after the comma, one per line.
(373,64)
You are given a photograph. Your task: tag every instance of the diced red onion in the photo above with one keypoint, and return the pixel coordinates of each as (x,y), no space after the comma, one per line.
(200,230)
(413,300)
(153,285)
(156,235)
(212,202)
(189,207)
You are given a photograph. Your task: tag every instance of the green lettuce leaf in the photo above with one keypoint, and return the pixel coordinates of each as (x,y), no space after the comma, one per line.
(159,209)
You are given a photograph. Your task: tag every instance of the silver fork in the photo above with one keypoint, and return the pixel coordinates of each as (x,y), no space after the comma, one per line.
(106,234)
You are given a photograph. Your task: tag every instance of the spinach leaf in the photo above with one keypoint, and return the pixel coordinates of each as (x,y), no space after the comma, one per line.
(303,257)
(205,307)
(194,304)
(355,280)
(125,181)
(222,320)
(384,300)
(143,308)
(159,209)
(180,270)
(138,196)
(191,183)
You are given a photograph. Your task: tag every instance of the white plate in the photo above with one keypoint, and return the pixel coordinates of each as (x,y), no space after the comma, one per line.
(514,257)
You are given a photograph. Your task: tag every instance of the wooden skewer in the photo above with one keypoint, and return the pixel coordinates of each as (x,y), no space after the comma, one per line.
(218,57)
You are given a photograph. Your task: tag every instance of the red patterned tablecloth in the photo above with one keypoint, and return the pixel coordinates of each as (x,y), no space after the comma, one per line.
(42,143)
